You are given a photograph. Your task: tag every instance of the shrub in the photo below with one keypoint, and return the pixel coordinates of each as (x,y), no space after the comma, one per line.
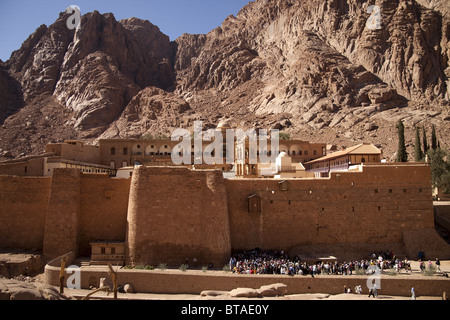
(430,271)
(162,266)
(183,267)
(359,271)
(392,272)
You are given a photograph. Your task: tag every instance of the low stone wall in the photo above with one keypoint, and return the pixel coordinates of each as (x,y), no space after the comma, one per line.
(52,269)
(194,282)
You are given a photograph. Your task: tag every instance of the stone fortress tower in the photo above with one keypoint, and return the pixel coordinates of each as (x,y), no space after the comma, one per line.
(177,213)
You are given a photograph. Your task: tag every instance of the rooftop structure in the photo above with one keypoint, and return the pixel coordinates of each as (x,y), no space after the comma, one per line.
(345,159)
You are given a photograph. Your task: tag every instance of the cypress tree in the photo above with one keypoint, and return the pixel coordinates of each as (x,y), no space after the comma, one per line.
(418,154)
(402,155)
(425,143)
(433,138)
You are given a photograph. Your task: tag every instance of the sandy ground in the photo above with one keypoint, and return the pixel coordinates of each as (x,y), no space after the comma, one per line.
(445,267)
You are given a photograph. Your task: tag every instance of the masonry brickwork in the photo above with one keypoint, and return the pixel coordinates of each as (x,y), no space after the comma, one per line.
(374,207)
(168,214)
(23,209)
(177,213)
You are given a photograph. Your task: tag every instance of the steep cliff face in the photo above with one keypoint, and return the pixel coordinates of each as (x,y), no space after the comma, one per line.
(326,43)
(319,63)
(149,111)
(91,74)
(314,69)
(11,98)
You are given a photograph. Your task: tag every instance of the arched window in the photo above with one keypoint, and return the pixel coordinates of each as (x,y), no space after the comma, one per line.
(125,151)
(113,151)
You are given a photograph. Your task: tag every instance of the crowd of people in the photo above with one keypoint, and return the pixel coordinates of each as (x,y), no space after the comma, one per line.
(259,261)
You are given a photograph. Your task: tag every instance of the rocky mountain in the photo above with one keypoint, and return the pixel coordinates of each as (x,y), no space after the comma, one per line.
(315,69)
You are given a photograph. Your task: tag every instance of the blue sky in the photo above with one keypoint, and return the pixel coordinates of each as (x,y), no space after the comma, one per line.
(20,18)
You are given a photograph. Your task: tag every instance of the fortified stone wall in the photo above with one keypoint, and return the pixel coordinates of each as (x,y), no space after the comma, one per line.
(84,208)
(166,215)
(63,215)
(23,206)
(372,207)
(177,213)
(103,210)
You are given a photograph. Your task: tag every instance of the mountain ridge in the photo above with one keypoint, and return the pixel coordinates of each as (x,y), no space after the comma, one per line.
(313,70)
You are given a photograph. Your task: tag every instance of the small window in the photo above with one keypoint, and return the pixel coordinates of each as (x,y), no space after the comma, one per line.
(113,151)
(125,151)
(254,204)
(284,185)
(103,250)
(113,250)
(404,190)
(376,190)
(390,190)
(379,208)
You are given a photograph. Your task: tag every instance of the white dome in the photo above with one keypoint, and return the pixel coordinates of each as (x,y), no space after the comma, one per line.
(283,155)
(223,125)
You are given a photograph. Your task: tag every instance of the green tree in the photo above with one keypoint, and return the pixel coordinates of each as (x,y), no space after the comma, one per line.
(434,143)
(284,136)
(418,154)
(402,155)
(425,143)
(440,169)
